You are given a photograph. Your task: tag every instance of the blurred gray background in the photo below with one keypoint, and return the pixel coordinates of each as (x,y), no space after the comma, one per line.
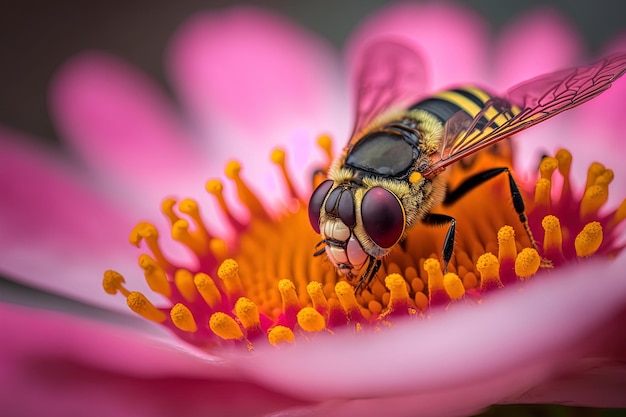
(36,36)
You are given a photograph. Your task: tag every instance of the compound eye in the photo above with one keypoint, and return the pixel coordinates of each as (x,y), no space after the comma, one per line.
(383,216)
(315,203)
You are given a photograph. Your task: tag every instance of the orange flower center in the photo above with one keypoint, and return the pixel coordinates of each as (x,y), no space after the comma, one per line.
(264,285)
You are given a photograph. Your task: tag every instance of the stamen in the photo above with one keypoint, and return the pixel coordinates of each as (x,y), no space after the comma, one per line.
(142,306)
(280,335)
(291,305)
(208,290)
(565,164)
(489,269)
(543,191)
(345,294)
(190,208)
(167,208)
(453,286)
(527,263)
(247,197)
(229,274)
(225,326)
(507,251)
(547,167)
(248,314)
(399,301)
(436,291)
(112,283)
(215,188)
(619,216)
(155,275)
(310,320)
(552,239)
(148,233)
(589,239)
(278,157)
(183,318)
(326,143)
(594,198)
(183,280)
(594,170)
(320,303)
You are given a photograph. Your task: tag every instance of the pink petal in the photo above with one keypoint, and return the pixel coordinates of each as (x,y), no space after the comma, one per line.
(514,341)
(452,38)
(124,129)
(252,81)
(537,43)
(56,231)
(58,365)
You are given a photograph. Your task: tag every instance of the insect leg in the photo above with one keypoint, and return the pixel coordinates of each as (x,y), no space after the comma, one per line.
(318,252)
(518,202)
(434,219)
(372,268)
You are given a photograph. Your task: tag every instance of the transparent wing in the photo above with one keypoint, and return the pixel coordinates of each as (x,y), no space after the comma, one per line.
(525,104)
(389,74)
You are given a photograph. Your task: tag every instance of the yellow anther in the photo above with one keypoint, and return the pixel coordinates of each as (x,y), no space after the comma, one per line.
(594,170)
(421,301)
(417,285)
(218,248)
(207,289)
(214,187)
(311,320)
(229,274)
(345,294)
(278,157)
(195,241)
(552,238)
(280,335)
(325,142)
(547,167)
(232,170)
(113,282)
(247,197)
(189,207)
(183,319)
(527,263)
(183,280)
(148,233)
(288,294)
(543,190)
(248,313)
(565,164)
(589,239)
(316,292)
(435,276)
(167,208)
(142,306)
(489,269)
(594,198)
(470,280)
(506,244)
(155,275)
(225,326)
(397,286)
(453,286)
(605,178)
(415,177)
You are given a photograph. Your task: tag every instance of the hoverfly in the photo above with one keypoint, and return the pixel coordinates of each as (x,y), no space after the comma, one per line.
(387,177)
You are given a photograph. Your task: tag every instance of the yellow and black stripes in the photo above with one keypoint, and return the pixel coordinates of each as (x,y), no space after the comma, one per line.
(470,100)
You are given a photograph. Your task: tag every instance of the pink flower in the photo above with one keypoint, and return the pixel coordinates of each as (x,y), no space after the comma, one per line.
(249,81)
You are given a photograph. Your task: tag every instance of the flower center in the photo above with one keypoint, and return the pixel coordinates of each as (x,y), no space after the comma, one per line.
(264,285)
